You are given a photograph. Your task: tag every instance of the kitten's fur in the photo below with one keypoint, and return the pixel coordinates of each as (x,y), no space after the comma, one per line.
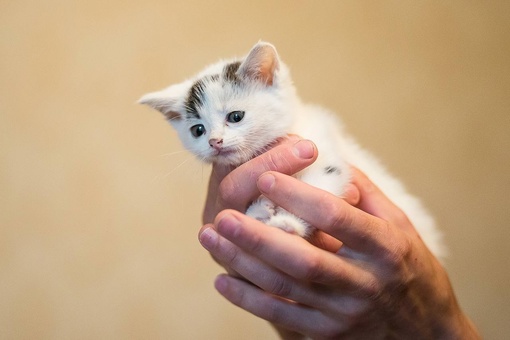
(233,110)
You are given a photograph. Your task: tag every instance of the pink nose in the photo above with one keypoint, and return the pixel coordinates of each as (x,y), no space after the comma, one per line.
(216,143)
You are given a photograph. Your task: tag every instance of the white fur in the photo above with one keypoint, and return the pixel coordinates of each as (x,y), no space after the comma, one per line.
(273,110)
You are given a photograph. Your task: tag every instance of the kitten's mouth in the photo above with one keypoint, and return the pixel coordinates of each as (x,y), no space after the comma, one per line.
(226,156)
(224,152)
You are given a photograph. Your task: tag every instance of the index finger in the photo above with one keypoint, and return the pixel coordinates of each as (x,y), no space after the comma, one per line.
(357,229)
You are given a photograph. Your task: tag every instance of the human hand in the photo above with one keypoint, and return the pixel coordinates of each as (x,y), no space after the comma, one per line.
(237,188)
(379,281)
(231,188)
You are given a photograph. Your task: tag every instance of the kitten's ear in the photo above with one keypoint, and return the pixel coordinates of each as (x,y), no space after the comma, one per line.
(261,64)
(167,101)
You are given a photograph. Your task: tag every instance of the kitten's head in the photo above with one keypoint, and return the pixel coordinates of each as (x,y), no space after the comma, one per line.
(231,111)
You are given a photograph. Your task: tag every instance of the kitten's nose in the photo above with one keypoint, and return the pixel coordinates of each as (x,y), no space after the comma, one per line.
(216,143)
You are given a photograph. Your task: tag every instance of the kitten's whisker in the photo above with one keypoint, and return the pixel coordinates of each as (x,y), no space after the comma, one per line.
(159,177)
(178,166)
(173,153)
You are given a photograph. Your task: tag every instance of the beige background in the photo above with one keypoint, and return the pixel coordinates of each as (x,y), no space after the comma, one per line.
(99,215)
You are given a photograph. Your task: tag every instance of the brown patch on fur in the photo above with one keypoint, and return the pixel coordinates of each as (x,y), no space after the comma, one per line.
(195,97)
(230,72)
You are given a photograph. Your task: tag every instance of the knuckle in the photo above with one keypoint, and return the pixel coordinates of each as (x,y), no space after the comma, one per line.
(310,268)
(398,254)
(332,331)
(231,257)
(227,192)
(400,217)
(255,244)
(335,216)
(396,272)
(280,287)
(276,162)
(389,252)
(372,289)
(274,312)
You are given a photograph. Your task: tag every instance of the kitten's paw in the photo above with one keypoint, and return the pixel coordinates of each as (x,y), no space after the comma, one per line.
(290,223)
(262,209)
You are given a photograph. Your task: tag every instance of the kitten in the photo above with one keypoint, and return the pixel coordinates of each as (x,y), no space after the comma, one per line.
(233,110)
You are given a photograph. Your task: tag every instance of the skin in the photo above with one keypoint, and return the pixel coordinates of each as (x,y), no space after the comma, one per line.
(365,274)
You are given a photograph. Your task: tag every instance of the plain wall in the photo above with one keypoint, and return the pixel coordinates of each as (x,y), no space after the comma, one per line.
(99,209)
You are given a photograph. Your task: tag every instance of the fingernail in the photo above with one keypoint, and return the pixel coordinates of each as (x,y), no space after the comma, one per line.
(208,238)
(304,149)
(266,182)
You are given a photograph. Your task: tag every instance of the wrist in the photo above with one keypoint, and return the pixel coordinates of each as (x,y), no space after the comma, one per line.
(454,324)
(434,313)
(459,327)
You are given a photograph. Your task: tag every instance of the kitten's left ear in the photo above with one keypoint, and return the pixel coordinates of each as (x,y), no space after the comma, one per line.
(261,64)
(168,101)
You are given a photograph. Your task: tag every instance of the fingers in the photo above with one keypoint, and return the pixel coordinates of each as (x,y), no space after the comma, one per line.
(355,228)
(240,263)
(256,271)
(277,276)
(239,188)
(291,254)
(276,310)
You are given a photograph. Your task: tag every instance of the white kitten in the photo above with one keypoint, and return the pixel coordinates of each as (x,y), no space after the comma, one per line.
(233,110)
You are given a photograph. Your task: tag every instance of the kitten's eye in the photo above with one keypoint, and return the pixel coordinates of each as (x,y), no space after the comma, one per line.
(197,130)
(235,116)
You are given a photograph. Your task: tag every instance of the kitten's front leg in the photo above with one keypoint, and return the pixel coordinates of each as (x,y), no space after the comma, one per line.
(290,223)
(262,209)
(265,211)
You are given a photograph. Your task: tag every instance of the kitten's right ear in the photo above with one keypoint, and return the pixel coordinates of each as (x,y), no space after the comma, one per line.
(261,64)
(167,101)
